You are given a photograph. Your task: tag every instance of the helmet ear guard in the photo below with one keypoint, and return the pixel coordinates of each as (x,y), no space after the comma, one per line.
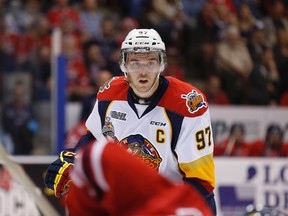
(123,57)
(163,61)
(143,40)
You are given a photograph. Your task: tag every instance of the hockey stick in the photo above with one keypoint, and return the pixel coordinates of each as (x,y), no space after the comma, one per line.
(17,172)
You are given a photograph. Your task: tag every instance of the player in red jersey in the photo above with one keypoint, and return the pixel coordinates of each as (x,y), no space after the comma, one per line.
(106,180)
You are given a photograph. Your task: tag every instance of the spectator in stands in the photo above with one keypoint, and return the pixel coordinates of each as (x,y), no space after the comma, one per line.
(234,64)
(78,83)
(174,67)
(26,45)
(204,34)
(132,8)
(264,81)
(15,17)
(203,62)
(281,57)
(229,4)
(8,41)
(214,92)
(32,10)
(126,25)
(257,42)
(245,21)
(68,28)
(273,144)
(253,5)
(18,120)
(61,10)
(43,31)
(21,15)
(167,17)
(191,9)
(93,59)
(235,144)
(266,6)
(206,28)
(88,103)
(284,99)
(41,71)
(224,19)
(275,20)
(91,17)
(113,62)
(107,40)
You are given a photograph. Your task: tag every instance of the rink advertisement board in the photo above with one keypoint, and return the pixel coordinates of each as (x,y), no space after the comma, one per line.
(239,182)
(255,120)
(244,181)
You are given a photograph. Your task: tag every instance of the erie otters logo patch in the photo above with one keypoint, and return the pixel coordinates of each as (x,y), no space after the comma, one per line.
(141,147)
(194,101)
(135,144)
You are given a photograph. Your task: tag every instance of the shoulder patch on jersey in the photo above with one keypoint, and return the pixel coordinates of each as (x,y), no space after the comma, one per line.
(176,92)
(108,129)
(194,101)
(107,84)
(114,89)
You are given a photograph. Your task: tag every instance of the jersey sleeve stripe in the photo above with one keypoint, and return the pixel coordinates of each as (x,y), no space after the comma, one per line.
(102,109)
(202,168)
(96,160)
(176,123)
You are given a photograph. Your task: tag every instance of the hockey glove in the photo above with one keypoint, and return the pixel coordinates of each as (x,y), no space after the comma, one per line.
(57,174)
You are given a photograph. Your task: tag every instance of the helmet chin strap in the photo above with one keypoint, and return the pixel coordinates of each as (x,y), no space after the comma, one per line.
(150,91)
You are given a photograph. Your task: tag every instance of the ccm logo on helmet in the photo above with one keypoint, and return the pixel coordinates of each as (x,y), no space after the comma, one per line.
(141,43)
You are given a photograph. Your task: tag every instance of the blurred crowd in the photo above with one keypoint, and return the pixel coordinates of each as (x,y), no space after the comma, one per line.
(235,51)
(236,144)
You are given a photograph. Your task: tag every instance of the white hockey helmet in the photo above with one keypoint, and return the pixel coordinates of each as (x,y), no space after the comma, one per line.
(143,40)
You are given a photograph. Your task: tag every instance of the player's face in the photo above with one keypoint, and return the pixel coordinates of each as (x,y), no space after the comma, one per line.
(142,73)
